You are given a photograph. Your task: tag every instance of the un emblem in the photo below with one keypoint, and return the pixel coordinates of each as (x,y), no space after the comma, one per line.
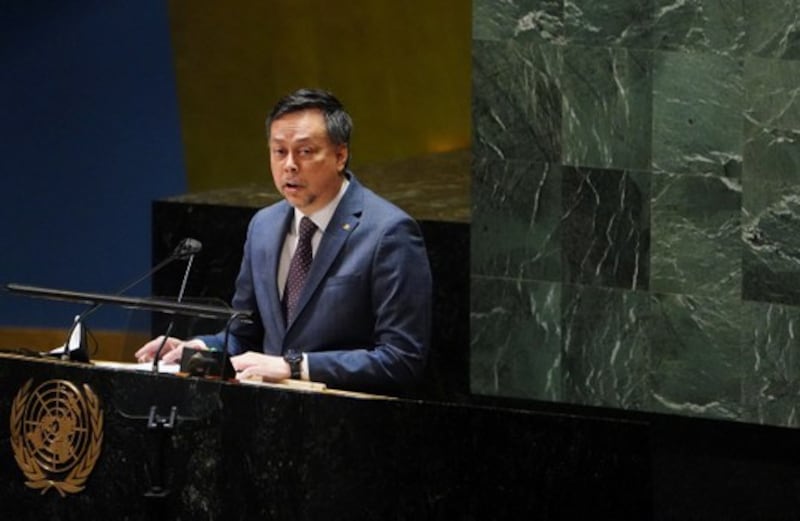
(56,434)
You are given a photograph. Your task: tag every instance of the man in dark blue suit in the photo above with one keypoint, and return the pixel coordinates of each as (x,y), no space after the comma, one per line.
(360,318)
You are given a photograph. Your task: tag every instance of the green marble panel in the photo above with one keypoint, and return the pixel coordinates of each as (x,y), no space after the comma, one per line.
(605,353)
(516,101)
(773,28)
(696,356)
(525,20)
(605,237)
(712,26)
(515,339)
(695,235)
(607,108)
(771,169)
(636,205)
(771,216)
(517,211)
(697,107)
(626,23)
(771,392)
(773,92)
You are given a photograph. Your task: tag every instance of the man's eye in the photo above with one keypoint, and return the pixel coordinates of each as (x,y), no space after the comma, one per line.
(278,152)
(305,151)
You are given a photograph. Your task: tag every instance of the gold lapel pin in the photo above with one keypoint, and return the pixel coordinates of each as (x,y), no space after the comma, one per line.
(346,227)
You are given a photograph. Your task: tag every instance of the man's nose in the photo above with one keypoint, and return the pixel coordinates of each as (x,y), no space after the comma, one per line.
(290,164)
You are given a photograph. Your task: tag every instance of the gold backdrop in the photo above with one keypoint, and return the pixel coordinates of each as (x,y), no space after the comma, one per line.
(402,68)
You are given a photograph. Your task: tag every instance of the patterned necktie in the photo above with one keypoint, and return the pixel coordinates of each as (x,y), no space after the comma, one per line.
(298,269)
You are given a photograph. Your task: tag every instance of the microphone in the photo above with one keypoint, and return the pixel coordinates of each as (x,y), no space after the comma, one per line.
(77,333)
(190,247)
(186,248)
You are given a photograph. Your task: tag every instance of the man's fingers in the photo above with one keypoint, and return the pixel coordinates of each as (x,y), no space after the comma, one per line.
(251,373)
(146,351)
(172,356)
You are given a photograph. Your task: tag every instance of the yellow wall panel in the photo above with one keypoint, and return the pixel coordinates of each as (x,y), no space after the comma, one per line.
(402,68)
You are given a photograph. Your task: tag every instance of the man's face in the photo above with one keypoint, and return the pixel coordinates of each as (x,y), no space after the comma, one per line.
(306,166)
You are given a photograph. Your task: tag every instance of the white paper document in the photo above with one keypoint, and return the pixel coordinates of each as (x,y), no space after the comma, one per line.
(139,366)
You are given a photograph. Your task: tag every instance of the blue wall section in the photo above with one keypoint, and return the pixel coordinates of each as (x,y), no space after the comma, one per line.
(89,136)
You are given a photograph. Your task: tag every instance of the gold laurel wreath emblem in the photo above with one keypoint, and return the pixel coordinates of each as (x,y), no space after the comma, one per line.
(36,471)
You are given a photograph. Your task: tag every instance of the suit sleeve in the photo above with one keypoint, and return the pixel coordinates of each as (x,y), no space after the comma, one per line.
(401,289)
(243,336)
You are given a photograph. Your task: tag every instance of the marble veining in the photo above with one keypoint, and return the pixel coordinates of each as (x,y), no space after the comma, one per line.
(771,251)
(607,97)
(527,20)
(605,347)
(696,356)
(773,28)
(517,211)
(516,338)
(516,102)
(773,99)
(699,117)
(605,234)
(672,129)
(618,24)
(695,235)
(772,364)
(708,26)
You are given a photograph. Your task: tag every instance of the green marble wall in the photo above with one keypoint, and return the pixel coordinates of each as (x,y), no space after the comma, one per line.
(636,205)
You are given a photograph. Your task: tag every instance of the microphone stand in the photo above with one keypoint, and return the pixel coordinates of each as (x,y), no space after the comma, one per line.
(224,364)
(160,425)
(157,356)
(185,246)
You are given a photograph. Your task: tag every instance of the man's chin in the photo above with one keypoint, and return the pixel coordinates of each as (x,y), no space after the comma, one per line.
(297,201)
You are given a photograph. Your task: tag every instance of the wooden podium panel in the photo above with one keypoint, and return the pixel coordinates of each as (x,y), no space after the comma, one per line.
(239,451)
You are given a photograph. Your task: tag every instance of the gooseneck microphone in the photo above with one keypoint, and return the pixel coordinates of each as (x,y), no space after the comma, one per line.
(191,249)
(187,248)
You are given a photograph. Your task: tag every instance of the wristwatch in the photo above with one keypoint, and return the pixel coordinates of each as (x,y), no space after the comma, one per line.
(295,361)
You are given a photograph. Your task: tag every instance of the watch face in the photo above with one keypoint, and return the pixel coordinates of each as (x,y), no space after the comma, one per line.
(293,357)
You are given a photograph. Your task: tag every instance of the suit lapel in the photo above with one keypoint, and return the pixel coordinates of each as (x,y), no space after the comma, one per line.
(344,221)
(274,247)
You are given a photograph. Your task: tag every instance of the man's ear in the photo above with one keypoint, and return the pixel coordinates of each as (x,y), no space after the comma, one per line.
(342,153)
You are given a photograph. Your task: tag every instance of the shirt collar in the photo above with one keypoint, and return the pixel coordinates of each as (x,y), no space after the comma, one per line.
(323,216)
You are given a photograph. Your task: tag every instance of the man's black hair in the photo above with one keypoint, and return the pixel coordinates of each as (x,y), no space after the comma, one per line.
(337,121)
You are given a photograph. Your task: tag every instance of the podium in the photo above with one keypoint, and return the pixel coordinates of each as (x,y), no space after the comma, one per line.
(241,451)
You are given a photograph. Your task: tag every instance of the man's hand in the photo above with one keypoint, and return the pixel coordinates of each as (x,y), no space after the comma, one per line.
(172,351)
(268,368)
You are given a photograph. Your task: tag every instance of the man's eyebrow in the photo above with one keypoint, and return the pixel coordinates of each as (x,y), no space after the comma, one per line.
(301,139)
